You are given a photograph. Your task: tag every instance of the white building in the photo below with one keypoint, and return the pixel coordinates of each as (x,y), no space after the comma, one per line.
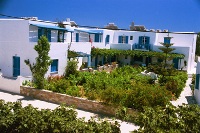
(17,40)
(18,37)
(184,43)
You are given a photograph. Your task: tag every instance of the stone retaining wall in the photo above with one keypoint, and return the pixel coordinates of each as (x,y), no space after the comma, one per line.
(79,103)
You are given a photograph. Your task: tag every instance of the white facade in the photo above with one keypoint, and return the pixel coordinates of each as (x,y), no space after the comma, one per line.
(18,38)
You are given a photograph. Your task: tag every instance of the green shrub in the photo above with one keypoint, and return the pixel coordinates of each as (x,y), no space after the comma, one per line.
(73,91)
(170,119)
(56,84)
(71,68)
(176,83)
(16,119)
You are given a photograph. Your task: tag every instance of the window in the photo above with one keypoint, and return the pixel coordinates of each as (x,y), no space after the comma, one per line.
(45,32)
(107,39)
(97,38)
(61,35)
(131,37)
(144,40)
(167,40)
(54,65)
(123,39)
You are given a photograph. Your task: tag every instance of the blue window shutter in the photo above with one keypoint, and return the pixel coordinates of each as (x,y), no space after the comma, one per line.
(54,65)
(77,37)
(39,32)
(63,36)
(147,40)
(140,39)
(126,39)
(49,35)
(197,81)
(96,38)
(107,38)
(167,40)
(120,39)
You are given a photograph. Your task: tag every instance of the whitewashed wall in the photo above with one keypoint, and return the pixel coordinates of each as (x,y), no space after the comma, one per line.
(12,85)
(14,41)
(183,44)
(84,47)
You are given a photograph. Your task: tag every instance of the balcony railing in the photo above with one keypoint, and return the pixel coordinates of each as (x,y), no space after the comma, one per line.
(142,46)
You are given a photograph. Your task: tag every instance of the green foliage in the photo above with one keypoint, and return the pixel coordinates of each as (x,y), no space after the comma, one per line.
(16,119)
(183,119)
(28,83)
(116,52)
(193,79)
(176,83)
(198,45)
(43,61)
(73,91)
(71,68)
(124,86)
(57,84)
(72,54)
(165,69)
(192,85)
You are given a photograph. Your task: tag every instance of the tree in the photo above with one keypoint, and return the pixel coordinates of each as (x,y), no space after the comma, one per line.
(198,45)
(43,62)
(164,68)
(71,68)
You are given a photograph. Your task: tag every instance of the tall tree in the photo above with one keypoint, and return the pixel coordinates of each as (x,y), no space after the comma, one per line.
(43,61)
(198,45)
(164,68)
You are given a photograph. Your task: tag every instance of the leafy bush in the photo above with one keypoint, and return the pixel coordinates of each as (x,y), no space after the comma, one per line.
(16,119)
(57,84)
(171,119)
(176,83)
(73,91)
(71,68)
(124,86)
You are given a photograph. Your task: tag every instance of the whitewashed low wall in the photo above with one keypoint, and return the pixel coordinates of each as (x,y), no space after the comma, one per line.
(121,46)
(12,84)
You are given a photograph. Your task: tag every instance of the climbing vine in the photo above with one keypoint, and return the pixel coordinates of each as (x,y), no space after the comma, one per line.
(116,52)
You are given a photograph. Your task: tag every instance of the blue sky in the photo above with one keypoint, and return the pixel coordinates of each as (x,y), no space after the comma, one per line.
(174,15)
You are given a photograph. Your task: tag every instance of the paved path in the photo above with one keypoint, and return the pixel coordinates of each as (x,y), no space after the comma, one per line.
(10,97)
(186,96)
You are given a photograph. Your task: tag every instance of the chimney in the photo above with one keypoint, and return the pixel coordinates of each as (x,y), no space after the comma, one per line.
(68,19)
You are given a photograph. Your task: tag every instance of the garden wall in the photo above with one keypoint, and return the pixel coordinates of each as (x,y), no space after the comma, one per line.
(79,103)
(12,84)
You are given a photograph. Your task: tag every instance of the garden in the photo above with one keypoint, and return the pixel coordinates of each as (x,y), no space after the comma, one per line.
(123,87)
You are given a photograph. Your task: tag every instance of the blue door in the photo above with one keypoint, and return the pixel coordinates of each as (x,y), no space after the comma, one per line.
(16,66)
(175,61)
(77,37)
